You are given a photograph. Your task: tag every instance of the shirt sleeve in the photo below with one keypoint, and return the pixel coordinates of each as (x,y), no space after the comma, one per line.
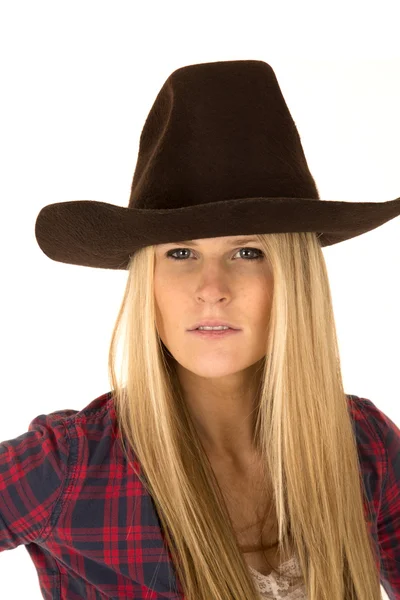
(33,468)
(389,513)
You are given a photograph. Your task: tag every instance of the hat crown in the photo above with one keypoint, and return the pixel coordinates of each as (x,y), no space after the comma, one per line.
(219,131)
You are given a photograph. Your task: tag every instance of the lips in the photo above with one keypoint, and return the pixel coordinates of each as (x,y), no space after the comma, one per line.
(213,324)
(214,334)
(197,329)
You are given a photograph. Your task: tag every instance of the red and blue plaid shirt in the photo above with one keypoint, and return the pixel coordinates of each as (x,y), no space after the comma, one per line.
(91,529)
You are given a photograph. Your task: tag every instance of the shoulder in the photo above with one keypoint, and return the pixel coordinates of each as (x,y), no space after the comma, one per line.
(96,410)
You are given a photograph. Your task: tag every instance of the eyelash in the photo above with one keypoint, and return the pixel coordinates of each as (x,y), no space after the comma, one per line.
(170,252)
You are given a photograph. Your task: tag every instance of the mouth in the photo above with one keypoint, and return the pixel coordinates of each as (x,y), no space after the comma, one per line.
(214,334)
(223,324)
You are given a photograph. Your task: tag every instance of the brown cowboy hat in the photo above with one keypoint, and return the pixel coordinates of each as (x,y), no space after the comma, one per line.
(219,155)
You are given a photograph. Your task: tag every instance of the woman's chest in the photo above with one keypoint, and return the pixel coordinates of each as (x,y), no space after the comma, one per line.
(253,518)
(257,540)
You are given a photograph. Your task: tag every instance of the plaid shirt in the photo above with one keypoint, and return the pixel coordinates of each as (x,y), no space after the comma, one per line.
(91,529)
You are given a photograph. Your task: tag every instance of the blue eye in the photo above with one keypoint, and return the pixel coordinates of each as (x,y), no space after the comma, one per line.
(170,253)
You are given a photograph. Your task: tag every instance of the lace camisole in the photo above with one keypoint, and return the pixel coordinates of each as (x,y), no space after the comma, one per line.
(286,583)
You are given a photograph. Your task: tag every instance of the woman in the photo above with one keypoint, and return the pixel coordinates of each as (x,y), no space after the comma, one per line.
(221,464)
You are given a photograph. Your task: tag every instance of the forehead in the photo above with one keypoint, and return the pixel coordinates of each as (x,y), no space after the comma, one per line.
(225,240)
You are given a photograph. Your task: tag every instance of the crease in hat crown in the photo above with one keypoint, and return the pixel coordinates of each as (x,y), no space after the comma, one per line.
(219,155)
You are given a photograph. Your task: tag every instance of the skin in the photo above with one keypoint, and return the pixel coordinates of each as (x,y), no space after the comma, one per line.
(218,280)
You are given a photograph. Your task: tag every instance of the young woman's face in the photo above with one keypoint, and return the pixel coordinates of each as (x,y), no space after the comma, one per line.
(214,279)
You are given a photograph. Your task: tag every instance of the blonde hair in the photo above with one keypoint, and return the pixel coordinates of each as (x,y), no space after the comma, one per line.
(303,432)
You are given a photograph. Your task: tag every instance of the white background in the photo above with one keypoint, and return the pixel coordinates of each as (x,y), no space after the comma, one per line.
(77,82)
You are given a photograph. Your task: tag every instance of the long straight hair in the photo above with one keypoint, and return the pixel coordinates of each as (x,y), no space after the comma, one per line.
(303,434)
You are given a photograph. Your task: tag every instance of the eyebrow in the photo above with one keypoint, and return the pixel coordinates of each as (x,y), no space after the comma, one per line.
(231,242)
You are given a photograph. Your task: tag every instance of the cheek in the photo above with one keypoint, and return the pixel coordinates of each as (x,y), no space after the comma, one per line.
(263,302)
(162,288)
(168,303)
